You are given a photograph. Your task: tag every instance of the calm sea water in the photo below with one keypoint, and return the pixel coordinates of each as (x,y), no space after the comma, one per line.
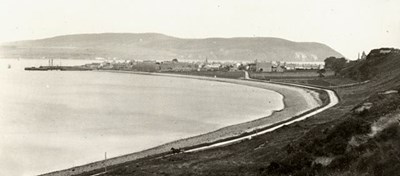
(55,120)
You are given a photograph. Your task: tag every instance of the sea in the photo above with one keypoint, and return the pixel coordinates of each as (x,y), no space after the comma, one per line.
(51,120)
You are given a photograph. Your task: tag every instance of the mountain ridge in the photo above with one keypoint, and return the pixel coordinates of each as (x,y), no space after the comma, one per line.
(155,46)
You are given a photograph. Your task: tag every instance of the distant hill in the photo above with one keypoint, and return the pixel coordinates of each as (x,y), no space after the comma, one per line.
(161,47)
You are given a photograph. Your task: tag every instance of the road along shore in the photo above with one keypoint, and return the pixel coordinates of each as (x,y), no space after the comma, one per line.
(300,102)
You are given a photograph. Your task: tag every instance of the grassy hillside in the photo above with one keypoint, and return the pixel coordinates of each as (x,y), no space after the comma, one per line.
(162,47)
(375,66)
(359,136)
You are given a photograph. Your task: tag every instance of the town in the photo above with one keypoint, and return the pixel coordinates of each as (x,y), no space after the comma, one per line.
(184,66)
(258,69)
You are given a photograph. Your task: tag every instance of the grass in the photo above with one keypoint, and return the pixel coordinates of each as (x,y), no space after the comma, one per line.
(218,74)
(333,141)
(326,82)
(297,74)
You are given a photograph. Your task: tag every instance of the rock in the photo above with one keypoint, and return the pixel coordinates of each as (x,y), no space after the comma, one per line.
(363,108)
(390,92)
(356,141)
(324,161)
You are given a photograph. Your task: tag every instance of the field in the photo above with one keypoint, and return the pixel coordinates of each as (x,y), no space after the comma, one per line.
(218,74)
(298,74)
(329,82)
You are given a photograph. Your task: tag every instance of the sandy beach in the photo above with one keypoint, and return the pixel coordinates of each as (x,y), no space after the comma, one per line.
(296,101)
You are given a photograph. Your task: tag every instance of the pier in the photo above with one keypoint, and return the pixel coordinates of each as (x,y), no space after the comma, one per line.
(51,67)
(58,68)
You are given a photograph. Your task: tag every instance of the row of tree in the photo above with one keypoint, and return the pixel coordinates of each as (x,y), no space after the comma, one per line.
(359,70)
(335,64)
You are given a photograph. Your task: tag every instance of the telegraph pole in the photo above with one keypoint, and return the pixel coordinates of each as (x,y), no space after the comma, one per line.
(105,165)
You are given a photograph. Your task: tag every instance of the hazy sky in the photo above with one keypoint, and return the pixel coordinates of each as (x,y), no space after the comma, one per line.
(348,26)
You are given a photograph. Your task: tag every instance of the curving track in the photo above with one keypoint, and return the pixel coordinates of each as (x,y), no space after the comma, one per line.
(333,101)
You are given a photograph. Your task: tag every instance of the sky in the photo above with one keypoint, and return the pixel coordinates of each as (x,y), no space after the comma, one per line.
(348,26)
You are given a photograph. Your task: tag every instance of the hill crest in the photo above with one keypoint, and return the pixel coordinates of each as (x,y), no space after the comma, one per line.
(154,46)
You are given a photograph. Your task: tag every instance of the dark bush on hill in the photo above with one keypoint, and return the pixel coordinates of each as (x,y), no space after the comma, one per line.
(335,64)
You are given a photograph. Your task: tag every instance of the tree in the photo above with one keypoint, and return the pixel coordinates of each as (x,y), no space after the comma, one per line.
(363,55)
(174,150)
(321,72)
(335,64)
(175,60)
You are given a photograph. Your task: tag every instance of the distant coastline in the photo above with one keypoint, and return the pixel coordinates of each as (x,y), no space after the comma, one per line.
(296,101)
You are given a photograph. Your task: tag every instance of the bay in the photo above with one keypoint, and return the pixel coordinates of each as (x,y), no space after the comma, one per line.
(55,120)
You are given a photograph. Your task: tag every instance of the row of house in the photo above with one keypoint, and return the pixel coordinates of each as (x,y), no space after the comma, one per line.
(284,66)
(165,66)
(175,66)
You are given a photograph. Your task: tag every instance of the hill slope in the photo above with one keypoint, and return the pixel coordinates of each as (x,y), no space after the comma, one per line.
(161,47)
(366,138)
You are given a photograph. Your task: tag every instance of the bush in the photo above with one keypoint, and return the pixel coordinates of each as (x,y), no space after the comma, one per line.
(391,132)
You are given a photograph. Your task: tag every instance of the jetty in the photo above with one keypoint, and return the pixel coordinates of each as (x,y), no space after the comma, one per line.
(58,68)
(51,67)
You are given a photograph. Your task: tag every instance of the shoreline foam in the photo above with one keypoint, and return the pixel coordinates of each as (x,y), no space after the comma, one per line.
(296,101)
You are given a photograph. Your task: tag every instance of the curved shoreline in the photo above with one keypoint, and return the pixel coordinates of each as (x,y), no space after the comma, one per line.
(296,101)
(333,100)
